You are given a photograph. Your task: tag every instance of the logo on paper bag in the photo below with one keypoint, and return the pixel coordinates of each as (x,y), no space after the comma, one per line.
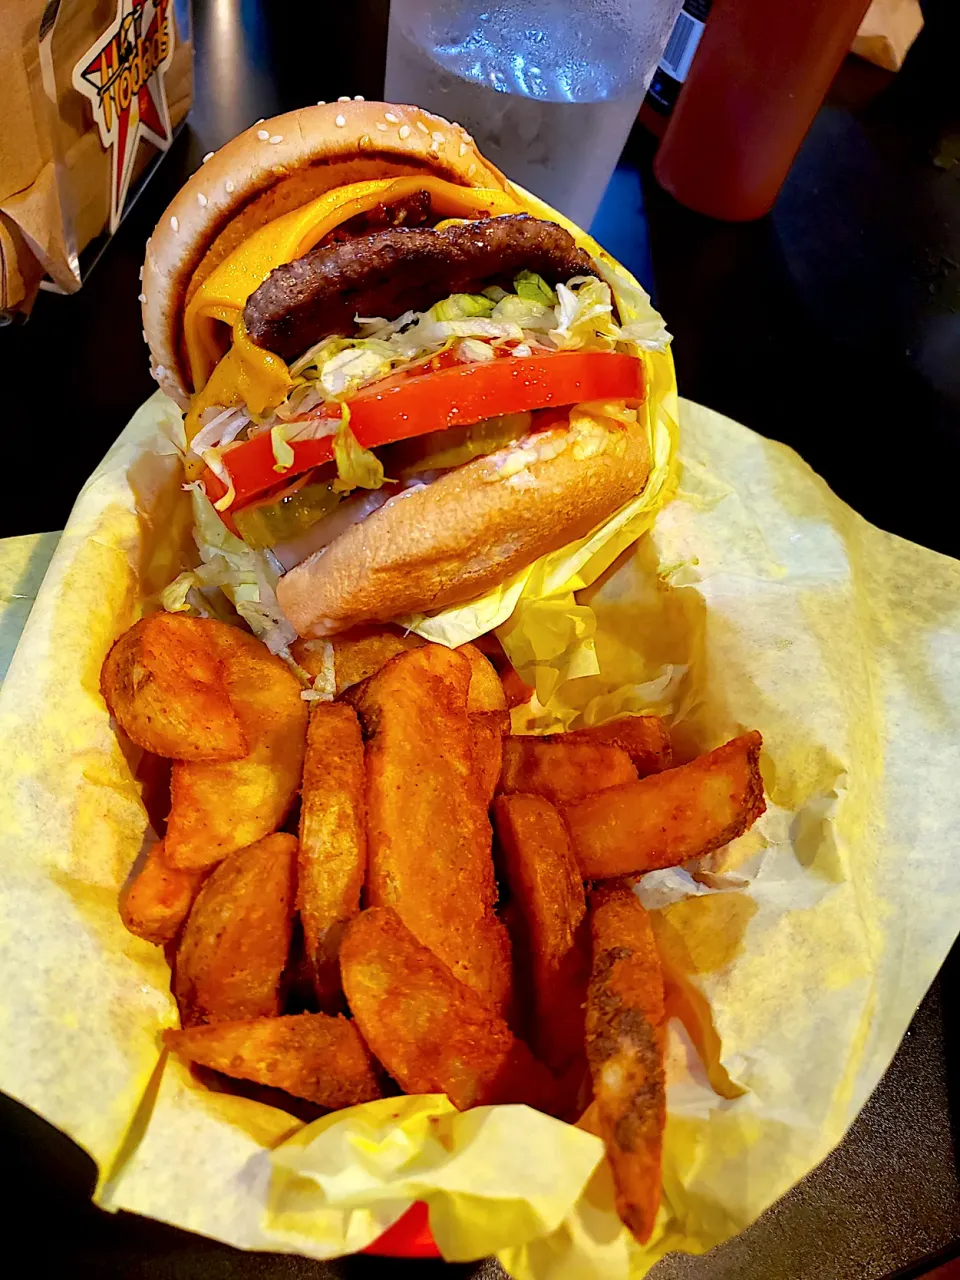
(122,75)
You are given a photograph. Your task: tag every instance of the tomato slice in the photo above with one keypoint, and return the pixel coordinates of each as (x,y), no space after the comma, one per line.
(410,404)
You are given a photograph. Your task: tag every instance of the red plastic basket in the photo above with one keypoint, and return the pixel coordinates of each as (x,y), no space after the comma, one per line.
(409,1237)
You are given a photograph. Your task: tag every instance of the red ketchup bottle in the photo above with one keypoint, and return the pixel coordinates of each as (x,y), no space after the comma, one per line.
(760,73)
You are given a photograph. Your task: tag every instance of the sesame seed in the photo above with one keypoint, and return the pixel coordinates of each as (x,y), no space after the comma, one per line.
(142,297)
(161,371)
(404,131)
(321,104)
(471,171)
(143,334)
(201,200)
(175,223)
(260,121)
(277,137)
(340,121)
(263,134)
(382,127)
(463,149)
(359,97)
(391,117)
(439,137)
(229,185)
(141,274)
(434,148)
(344,98)
(422,127)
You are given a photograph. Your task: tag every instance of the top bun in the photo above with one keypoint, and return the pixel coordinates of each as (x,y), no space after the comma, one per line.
(273,167)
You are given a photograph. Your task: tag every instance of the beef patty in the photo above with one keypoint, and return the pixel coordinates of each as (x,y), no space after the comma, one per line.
(401,269)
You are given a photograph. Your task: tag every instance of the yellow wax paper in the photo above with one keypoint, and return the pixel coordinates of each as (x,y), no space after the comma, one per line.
(794,958)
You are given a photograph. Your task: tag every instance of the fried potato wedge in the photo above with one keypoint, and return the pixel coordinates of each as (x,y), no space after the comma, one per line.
(164,683)
(625,1016)
(428,834)
(547,890)
(645,739)
(433,1033)
(668,817)
(357,653)
(236,941)
(333,842)
(489,718)
(310,1055)
(485,692)
(562,771)
(157,901)
(217,807)
(487,729)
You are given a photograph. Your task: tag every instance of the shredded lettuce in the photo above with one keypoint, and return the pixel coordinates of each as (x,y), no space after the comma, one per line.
(229,572)
(528,313)
(584,315)
(642,324)
(472,351)
(214,460)
(533,288)
(282,452)
(357,467)
(462,306)
(351,368)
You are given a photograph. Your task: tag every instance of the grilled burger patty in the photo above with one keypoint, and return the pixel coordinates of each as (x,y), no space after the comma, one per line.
(401,269)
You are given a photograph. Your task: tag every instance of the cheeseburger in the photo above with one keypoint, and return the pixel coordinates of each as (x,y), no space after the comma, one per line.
(403,378)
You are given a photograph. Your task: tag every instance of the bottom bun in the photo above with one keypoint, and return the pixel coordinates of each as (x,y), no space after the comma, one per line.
(451,540)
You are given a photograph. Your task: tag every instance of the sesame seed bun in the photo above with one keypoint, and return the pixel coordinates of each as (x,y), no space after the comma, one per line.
(273,167)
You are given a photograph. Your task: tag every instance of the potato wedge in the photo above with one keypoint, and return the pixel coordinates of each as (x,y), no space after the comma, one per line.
(333,842)
(157,901)
(485,692)
(665,819)
(487,730)
(625,1017)
(164,683)
(546,889)
(217,807)
(237,938)
(310,1055)
(645,739)
(428,834)
(357,653)
(489,718)
(562,771)
(433,1033)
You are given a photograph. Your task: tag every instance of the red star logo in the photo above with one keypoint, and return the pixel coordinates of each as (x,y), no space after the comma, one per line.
(122,75)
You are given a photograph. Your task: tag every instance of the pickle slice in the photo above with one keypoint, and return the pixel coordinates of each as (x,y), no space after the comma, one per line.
(287,517)
(439,450)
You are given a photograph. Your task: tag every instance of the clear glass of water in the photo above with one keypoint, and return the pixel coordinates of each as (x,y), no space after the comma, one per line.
(549,88)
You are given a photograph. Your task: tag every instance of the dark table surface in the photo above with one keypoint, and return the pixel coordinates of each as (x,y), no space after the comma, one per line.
(832,325)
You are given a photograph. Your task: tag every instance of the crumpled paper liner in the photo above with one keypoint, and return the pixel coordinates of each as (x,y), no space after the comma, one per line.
(794,958)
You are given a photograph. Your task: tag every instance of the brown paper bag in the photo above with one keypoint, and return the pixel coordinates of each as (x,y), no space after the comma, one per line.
(887,32)
(87,105)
